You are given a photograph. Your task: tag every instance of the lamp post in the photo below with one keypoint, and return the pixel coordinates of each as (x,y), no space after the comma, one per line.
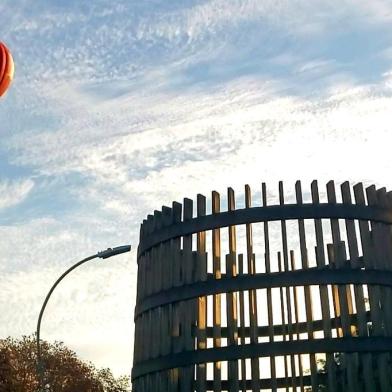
(103,255)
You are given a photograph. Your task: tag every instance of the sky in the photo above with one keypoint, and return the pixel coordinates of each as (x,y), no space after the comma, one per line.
(120,107)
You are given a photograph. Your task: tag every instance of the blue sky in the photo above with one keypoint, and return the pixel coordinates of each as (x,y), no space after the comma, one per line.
(120,107)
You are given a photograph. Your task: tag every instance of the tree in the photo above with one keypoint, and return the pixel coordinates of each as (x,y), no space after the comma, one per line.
(63,370)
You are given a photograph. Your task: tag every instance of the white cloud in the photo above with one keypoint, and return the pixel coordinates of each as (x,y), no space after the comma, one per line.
(14,192)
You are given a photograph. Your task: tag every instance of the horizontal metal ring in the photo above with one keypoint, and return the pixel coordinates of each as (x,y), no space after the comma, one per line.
(267,383)
(262,214)
(308,277)
(280,329)
(259,350)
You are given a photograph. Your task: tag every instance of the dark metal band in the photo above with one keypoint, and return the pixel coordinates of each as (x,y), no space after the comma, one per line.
(281,329)
(262,281)
(229,353)
(261,214)
(267,383)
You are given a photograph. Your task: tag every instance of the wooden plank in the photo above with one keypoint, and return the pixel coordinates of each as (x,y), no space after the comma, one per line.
(387,202)
(149,335)
(296,326)
(231,300)
(324,299)
(269,291)
(201,369)
(162,378)
(286,290)
(382,239)
(252,294)
(374,293)
(167,311)
(140,280)
(284,326)
(337,256)
(379,252)
(369,261)
(154,289)
(307,292)
(143,318)
(147,319)
(217,305)
(345,296)
(365,358)
(242,322)
(176,308)
(188,307)
(353,263)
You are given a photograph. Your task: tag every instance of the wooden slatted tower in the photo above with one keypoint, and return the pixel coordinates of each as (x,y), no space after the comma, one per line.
(273,297)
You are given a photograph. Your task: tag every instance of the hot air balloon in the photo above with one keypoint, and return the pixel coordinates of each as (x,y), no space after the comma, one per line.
(6,68)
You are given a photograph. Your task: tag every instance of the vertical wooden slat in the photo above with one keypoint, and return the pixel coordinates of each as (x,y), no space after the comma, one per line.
(296,315)
(138,354)
(324,299)
(385,246)
(386,202)
(201,372)
(162,378)
(353,263)
(365,358)
(140,282)
(188,308)
(338,257)
(374,293)
(167,250)
(286,290)
(307,292)
(269,291)
(231,301)
(144,317)
(252,294)
(176,308)
(149,289)
(157,377)
(283,317)
(242,322)
(379,255)
(370,263)
(217,305)
(345,298)
(154,289)
(174,254)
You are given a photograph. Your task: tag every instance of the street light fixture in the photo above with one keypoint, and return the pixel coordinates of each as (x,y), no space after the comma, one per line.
(103,255)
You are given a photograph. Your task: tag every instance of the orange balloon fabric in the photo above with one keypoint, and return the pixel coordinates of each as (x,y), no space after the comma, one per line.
(6,69)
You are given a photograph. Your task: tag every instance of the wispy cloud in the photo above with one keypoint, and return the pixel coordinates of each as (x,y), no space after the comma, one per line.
(14,192)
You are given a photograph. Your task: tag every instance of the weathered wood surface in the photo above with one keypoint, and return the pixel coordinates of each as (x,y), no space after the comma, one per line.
(250,317)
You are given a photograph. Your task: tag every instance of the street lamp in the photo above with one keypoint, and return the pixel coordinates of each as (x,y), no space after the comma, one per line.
(103,255)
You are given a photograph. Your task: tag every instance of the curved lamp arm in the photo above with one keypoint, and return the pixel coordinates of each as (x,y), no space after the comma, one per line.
(103,255)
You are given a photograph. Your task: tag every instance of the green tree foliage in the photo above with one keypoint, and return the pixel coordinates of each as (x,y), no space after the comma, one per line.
(64,371)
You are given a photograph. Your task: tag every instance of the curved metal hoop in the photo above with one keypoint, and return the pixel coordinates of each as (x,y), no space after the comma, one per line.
(186,358)
(262,214)
(264,281)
